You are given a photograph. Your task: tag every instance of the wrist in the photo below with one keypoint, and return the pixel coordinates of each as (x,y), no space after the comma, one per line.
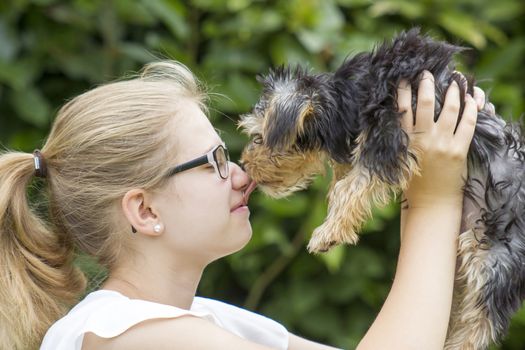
(422,217)
(434,200)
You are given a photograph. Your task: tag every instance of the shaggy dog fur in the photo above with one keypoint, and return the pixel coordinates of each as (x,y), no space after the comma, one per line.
(350,119)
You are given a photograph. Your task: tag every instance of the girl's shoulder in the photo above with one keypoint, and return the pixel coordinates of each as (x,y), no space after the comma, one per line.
(108,314)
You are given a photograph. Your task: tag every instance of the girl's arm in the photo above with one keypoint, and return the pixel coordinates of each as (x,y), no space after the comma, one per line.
(416,312)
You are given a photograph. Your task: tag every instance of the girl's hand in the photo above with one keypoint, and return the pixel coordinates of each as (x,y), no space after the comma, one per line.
(442,153)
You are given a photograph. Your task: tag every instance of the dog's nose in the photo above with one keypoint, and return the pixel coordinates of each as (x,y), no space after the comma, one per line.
(241,164)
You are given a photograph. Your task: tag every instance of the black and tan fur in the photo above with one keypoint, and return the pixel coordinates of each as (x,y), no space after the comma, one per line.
(350,120)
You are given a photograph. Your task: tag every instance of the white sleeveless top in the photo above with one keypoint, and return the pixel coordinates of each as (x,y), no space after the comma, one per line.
(109,314)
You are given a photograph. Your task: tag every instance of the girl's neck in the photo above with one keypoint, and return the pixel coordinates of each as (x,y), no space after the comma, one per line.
(176,287)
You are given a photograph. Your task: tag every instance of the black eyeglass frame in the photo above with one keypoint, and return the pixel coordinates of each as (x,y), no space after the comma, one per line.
(210,157)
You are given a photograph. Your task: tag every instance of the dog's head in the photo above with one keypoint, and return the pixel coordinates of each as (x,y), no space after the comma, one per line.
(287,131)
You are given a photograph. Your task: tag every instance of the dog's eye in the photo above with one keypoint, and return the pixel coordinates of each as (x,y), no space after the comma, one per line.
(258,139)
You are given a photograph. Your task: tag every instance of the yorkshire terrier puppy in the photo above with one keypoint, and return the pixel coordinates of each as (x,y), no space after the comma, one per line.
(350,120)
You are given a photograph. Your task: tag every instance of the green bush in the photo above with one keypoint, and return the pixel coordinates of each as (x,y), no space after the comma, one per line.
(51,50)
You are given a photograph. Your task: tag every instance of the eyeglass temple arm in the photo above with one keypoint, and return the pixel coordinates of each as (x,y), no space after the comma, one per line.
(188,165)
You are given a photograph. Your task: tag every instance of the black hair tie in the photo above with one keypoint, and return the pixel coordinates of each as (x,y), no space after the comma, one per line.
(40,164)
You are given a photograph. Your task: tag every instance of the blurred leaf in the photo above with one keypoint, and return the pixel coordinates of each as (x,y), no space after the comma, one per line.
(238,5)
(232,59)
(334,258)
(241,92)
(136,52)
(273,234)
(354,3)
(316,214)
(322,33)
(172,14)
(502,95)
(26,141)
(326,322)
(287,207)
(135,12)
(91,65)
(14,6)
(302,303)
(408,9)
(463,26)
(164,47)
(494,33)
(31,106)
(364,263)
(502,61)
(377,222)
(285,50)
(18,74)
(519,317)
(9,43)
(216,6)
(245,25)
(502,10)
(352,45)
(302,13)
(71,16)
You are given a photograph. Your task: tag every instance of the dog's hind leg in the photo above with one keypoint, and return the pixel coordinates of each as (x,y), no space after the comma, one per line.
(469,328)
(490,281)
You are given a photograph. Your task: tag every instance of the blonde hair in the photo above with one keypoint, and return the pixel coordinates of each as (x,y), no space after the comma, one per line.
(102,143)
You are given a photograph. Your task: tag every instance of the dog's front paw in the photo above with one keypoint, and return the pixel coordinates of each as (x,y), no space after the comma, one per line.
(327,236)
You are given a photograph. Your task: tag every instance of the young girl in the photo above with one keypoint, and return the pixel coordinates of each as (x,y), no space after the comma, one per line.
(137,177)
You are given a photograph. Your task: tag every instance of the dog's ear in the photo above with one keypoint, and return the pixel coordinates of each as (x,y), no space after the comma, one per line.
(291,107)
(286,119)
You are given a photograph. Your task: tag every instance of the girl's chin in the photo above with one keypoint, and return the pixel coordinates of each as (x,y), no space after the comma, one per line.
(243,239)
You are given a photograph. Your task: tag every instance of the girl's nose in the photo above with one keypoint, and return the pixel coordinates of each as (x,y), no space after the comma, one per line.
(242,182)
(240,179)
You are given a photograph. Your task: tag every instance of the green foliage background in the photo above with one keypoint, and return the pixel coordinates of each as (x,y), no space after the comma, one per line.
(52,50)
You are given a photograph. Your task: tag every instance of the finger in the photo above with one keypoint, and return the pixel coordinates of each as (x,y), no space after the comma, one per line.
(404,103)
(425,103)
(462,80)
(467,125)
(449,114)
(479,97)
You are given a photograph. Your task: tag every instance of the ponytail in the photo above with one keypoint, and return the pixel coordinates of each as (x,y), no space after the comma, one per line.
(102,143)
(38,281)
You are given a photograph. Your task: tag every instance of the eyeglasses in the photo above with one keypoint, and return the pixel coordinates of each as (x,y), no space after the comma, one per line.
(218,157)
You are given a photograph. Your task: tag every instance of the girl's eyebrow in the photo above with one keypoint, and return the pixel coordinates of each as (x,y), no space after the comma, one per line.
(215,145)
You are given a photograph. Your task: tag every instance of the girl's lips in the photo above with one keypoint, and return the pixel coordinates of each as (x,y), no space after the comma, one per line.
(248,191)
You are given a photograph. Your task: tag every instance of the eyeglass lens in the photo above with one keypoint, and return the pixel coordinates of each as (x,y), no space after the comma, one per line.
(221,157)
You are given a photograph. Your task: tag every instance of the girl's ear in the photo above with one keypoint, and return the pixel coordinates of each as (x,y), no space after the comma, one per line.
(137,210)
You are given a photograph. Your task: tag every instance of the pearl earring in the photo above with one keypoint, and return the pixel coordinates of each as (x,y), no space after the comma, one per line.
(156,228)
